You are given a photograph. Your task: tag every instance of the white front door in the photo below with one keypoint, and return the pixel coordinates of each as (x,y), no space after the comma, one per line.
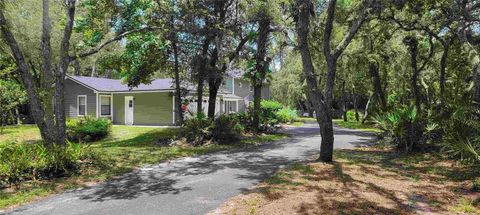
(129,110)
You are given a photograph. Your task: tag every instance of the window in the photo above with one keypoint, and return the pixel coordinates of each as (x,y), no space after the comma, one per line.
(230,106)
(82,105)
(105,105)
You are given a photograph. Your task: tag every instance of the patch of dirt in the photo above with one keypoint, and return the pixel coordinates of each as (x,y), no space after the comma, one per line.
(367,181)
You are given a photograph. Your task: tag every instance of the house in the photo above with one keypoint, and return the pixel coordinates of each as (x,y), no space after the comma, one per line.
(147,104)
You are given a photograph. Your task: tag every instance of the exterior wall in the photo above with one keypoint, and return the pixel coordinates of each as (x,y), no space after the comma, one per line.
(155,108)
(72,90)
(242,89)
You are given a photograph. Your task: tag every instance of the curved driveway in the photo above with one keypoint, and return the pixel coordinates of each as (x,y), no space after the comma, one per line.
(193,185)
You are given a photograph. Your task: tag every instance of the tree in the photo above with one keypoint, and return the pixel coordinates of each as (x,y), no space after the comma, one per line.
(323,101)
(42,73)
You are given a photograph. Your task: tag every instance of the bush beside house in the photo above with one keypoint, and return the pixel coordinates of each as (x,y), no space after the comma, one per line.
(88,129)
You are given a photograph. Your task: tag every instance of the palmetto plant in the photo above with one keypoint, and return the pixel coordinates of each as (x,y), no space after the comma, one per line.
(404,126)
(462,139)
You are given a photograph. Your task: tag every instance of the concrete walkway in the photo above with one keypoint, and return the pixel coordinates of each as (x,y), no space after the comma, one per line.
(193,185)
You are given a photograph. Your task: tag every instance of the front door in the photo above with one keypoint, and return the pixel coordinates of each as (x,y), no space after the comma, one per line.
(129,110)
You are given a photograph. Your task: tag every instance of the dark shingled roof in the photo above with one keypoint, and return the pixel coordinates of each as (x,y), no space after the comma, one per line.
(113,85)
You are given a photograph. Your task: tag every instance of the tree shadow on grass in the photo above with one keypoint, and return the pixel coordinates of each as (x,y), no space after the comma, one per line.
(338,191)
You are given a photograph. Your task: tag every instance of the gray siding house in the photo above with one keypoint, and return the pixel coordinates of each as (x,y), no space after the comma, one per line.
(147,104)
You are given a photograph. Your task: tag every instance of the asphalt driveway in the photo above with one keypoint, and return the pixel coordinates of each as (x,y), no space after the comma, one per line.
(193,185)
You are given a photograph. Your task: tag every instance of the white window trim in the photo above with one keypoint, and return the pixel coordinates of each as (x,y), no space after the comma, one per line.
(78,105)
(100,105)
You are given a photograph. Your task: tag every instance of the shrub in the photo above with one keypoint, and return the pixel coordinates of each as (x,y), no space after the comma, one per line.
(197,130)
(226,128)
(351,115)
(285,115)
(88,129)
(404,126)
(22,162)
(462,136)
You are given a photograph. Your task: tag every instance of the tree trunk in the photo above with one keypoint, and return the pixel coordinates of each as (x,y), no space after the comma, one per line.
(257,97)
(213,86)
(344,100)
(178,90)
(201,67)
(412,44)
(357,117)
(17,116)
(365,114)
(77,70)
(377,86)
(443,66)
(262,64)
(476,86)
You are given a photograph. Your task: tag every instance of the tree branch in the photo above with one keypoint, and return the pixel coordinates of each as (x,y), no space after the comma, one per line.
(353,30)
(114,39)
(46,46)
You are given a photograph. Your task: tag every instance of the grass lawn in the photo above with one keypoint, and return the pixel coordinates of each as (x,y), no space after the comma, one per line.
(365,181)
(126,148)
(352,124)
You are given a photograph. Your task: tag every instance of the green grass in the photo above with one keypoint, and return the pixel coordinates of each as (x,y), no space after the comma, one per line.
(305,119)
(356,125)
(20,133)
(465,206)
(125,149)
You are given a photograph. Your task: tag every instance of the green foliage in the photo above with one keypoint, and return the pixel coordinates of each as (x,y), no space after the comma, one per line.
(404,126)
(11,95)
(88,129)
(271,114)
(462,136)
(285,115)
(226,128)
(197,130)
(22,161)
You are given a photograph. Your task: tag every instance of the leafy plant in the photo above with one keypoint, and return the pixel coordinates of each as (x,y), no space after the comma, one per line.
(404,126)
(21,161)
(88,129)
(197,130)
(462,136)
(226,128)
(286,115)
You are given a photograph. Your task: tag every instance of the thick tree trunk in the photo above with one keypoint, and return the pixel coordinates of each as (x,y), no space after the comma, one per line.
(412,44)
(201,67)
(213,86)
(52,128)
(178,90)
(304,11)
(257,97)
(262,64)
(377,85)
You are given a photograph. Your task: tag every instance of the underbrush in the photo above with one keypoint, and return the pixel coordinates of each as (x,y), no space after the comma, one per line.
(224,129)
(22,162)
